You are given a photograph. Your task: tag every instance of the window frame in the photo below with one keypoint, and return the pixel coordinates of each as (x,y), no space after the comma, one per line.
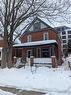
(63,36)
(45,36)
(63,32)
(37,26)
(69,32)
(29,38)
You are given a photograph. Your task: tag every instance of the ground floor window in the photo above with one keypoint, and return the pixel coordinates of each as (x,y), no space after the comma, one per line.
(45,53)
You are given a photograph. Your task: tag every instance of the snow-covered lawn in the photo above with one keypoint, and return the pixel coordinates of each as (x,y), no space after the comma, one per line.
(53,81)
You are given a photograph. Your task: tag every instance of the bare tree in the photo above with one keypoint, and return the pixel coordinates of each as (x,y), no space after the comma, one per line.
(14,12)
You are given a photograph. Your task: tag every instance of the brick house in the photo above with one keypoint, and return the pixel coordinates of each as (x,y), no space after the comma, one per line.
(40,41)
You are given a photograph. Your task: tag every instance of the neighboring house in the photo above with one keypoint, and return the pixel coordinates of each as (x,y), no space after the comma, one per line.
(65,34)
(40,41)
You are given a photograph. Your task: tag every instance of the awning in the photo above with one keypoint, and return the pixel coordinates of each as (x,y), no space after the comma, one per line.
(35,43)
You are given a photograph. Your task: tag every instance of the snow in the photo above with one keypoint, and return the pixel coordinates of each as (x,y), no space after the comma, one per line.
(52,81)
(5,93)
(36,43)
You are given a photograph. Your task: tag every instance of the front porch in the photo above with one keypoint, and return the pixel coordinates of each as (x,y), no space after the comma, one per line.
(42,53)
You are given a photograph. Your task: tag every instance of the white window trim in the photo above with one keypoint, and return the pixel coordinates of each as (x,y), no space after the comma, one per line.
(29,38)
(44,35)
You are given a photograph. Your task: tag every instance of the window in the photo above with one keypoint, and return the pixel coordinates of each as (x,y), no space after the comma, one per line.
(63,37)
(45,53)
(64,46)
(69,32)
(69,36)
(63,32)
(29,38)
(37,26)
(64,41)
(45,36)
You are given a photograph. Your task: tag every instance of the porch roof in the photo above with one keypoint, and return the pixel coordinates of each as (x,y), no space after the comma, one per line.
(35,43)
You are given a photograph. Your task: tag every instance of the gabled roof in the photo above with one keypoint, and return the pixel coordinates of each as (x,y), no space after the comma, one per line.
(39,19)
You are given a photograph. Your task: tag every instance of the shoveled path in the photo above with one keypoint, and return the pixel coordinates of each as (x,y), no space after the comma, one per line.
(20,92)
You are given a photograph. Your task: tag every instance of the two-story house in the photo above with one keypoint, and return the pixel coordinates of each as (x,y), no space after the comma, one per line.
(40,41)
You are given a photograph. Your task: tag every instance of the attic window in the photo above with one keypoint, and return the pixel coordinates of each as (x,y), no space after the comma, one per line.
(37,26)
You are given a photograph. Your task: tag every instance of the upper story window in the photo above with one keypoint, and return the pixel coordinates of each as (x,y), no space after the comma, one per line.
(29,38)
(63,32)
(45,36)
(37,26)
(69,32)
(63,37)
(64,41)
(69,36)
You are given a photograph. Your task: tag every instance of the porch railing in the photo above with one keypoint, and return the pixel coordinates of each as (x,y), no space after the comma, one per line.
(43,60)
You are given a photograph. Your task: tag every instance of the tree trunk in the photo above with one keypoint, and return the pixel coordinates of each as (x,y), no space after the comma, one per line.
(6,57)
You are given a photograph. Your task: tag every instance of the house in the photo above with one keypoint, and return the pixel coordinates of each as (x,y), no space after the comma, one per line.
(65,34)
(40,41)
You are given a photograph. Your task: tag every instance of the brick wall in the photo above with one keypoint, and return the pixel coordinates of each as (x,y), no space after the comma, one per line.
(38,36)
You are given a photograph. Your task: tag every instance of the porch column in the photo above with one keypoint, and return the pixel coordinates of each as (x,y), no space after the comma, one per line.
(33,52)
(38,52)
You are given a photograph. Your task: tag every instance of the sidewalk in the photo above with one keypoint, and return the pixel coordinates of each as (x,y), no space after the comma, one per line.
(20,92)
